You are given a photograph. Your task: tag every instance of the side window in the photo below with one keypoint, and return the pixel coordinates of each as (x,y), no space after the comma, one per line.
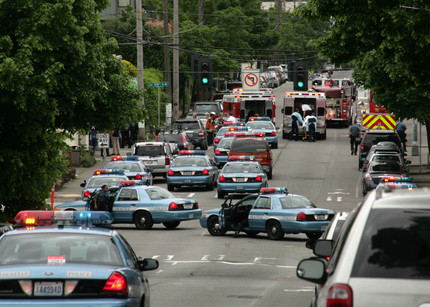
(128,195)
(263,203)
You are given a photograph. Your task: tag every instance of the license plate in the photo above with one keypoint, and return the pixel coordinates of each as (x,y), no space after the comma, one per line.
(188,173)
(148,162)
(187,181)
(320,217)
(239,187)
(240,180)
(48,289)
(188,206)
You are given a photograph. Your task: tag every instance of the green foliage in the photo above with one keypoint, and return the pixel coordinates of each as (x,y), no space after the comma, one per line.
(58,77)
(87,159)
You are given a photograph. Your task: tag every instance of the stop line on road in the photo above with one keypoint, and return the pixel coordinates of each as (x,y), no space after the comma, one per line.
(336,196)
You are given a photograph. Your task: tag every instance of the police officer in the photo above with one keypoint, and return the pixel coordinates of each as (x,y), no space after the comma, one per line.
(311,127)
(401,131)
(210,127)
(296,119)
(354,137)
(101,199)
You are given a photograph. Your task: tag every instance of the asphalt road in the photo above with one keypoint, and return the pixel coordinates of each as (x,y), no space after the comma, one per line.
(197,269)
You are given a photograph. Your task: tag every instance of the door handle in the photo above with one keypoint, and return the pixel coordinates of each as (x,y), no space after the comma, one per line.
(134,205)
(266,213)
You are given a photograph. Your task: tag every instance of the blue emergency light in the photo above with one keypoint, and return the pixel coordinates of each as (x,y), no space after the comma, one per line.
(264,118)
(192,152)
(241,158)
(124,158)
(113,171)
(44,217)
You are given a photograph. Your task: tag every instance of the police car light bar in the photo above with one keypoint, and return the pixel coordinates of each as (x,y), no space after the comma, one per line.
(250,134)
(241,158)
(397,179)
(124,158)
(240,124)
(193,152)
(232,134)
(228,123)
(128,183)
(42,217)
(241,128)
(109,171)
(273,191)
(259,119)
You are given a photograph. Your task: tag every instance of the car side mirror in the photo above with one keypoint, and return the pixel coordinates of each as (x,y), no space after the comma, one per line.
(147,264)
(323,248)
(83,184)
(312,269)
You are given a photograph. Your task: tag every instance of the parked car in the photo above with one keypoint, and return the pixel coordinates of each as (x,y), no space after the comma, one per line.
(177,137)
(155,155)
(208,107)
(194,129)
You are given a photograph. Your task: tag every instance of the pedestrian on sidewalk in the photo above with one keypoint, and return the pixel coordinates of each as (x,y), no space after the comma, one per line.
(401,131)
(115,141)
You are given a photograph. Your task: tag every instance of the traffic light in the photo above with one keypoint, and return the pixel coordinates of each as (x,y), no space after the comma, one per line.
(195,61)
(205,73)
(301,76)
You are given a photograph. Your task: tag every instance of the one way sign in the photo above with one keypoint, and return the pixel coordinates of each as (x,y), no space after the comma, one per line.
(103,140)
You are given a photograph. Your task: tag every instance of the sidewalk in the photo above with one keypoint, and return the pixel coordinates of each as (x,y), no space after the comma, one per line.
(68,193)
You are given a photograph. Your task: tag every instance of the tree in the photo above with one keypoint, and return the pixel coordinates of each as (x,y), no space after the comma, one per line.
(388,43)
(58,76)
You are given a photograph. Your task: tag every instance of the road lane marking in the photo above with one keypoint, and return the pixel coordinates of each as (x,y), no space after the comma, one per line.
(339,198)
(300,290)
(191,195)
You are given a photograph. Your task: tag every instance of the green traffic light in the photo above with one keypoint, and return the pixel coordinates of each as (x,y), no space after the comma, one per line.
(205,80)
(300,84)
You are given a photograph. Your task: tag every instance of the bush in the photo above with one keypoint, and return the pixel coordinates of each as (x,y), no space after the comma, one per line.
(87,159)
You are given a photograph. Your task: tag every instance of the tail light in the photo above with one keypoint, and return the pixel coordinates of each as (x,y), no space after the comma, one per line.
(170,172)
(205,172)
(339,295)
(116,284)
(87,194)
(258,178)
(196,206)
(201,134)
(301,217)
(273,133)
(367,177)
(157,137)
(216,140)
(138,177)
(362,148)
(221,178)
(167,161)
(173,206)
(217,152)
(365,165)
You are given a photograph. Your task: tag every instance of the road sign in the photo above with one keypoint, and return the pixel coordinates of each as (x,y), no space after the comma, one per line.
(251,80)
(158,84)
(103,140)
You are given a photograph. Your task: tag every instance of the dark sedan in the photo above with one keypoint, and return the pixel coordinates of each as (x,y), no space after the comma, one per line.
(378,169)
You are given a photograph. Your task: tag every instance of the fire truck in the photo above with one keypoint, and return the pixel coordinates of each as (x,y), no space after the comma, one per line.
(317,102)
(340,94)
(244,104)
(376,116)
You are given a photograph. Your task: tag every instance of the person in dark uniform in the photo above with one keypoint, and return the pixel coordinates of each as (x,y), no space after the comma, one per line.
(401,131)
(101,199)
(354,138)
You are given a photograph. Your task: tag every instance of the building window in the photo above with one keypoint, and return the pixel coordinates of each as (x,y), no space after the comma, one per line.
(123,2)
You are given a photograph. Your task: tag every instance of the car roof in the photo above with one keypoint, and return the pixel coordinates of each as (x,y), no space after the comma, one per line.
(149,143)
(62,229)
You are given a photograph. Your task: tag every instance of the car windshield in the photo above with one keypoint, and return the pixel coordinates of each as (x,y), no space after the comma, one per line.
(158,193)
(260,125)
(386,158)
(291,202)
(59,249)
(190,161)
(132,167)
(237,167)
(386,167)
(249,145)
(225,143)
(206,108)
(192,125)
(223,131)
(171,138)
(374,138)
(149,150)
(110,181)
(395,244)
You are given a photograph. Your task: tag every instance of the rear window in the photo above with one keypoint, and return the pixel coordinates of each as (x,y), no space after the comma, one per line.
(190,161)
(186,125)
(110,181)
(171,138)
(241,168)
(260,125)
(386,167)
(249,146)
(132,167)
(373,138)
(206,108)
(225,143)
(386,158)
(152,151)
(69,248)
(395,244)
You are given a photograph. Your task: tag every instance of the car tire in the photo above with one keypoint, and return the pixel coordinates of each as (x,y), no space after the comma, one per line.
(269,175)
(220,194)
(274,230)
(324,135)
(170,187)
(284,135)
(212,229)
(314,235)
(143,220)
(252,233)
(210,186)
(275,146)
(171,225)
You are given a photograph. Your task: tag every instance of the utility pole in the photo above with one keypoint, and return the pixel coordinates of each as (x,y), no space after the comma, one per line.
(141,134)
(167,66)
(201,12)
(277,26)
(175,60)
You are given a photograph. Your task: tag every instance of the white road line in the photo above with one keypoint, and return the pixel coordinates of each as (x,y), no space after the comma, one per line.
(205,258)
(339,199)
(221,257)
(170,257)
(191,194)
(300,290)
(328,198)
(156,256)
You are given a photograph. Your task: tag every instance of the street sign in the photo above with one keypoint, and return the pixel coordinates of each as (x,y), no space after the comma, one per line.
(251,79)
(158,84)
(103,140)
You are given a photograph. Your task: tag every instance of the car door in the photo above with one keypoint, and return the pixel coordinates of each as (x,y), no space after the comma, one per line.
(125,205)
(260,213)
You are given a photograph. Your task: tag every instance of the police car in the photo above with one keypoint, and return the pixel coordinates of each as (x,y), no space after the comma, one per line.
(222,131)
(145,206)
(192,168)
(273,211)
(265,125)
(223,148)
(392,183)
(79,265)
(111,177)
(133,168)
(241,174)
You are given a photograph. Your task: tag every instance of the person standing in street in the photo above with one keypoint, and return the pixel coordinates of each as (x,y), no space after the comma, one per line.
(210,127)
(101,199)
(401,131)
(311,127)
(231,118)
(296,119)
(354,138)
(115,141)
